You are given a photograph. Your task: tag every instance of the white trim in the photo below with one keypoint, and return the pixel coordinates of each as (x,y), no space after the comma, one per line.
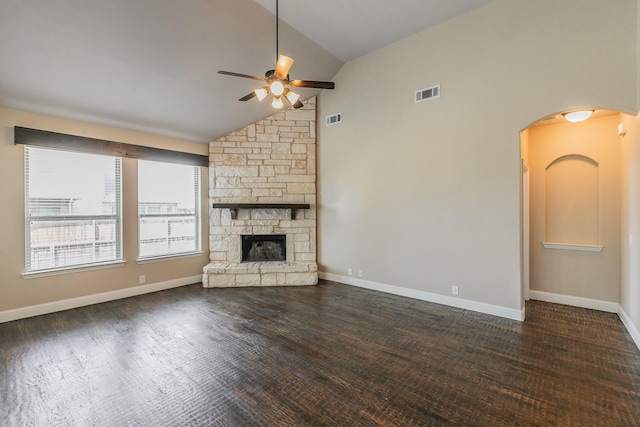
(69,270)
(480,307)
(161,258)
(572,247)
(631,328)
(594,304)
(52,307)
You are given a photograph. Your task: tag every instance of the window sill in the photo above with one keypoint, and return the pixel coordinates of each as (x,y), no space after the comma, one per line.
(71,270)
(161,258)
(572,247)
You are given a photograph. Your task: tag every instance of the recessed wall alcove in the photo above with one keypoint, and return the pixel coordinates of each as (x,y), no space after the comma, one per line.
(572,202)
(574,187)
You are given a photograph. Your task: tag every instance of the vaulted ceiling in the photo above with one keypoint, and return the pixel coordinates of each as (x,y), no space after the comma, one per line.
(150,65)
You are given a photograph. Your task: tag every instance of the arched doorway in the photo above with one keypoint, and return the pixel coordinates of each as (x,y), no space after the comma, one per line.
(571,226)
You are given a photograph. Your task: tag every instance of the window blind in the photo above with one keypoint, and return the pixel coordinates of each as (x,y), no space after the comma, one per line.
(168,209)
(73,209)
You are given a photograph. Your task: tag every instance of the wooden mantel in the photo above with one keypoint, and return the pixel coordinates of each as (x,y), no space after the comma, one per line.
(293,207)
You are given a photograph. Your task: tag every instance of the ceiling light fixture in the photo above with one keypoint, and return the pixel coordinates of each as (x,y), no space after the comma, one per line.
(277,103)
(578,116)
(292,97)
(277,88)
(261,93)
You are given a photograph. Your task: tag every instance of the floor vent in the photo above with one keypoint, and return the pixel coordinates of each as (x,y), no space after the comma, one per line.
(334,119)
(428,93)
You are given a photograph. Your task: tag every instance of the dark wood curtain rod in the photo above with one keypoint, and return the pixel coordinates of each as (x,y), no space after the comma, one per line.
(61,141)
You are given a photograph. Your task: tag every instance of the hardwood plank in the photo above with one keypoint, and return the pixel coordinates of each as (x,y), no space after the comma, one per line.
(324,355)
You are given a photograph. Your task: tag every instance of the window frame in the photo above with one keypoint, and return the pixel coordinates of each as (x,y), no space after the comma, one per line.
(197,216)
(116,217)
(82,144)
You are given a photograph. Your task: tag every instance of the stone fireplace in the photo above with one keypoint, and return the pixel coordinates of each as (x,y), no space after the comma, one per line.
(262,199)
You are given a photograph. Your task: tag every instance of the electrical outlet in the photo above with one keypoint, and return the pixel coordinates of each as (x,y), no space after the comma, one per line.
(142,279)
(359,273)
(350,271)
(454,290)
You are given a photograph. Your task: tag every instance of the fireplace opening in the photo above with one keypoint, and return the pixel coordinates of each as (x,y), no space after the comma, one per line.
(264,247)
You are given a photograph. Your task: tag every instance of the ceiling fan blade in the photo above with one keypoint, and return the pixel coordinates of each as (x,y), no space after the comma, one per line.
(298,104)
(313,84)
(283,66)
(246,76)
(248,96)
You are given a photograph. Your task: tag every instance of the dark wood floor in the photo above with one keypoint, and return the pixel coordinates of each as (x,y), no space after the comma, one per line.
(326,355)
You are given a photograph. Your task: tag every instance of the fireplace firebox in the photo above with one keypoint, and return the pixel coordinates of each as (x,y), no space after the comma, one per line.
(264,247)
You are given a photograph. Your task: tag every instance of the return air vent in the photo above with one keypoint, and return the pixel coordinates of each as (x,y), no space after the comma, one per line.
(428,93)
(334,119)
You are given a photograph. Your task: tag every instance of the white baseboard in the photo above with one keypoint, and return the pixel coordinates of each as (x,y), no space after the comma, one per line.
(52,307)
(481,307)
(594,304)
(631,328)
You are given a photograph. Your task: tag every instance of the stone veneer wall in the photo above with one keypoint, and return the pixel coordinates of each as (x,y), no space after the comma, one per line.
(270,161)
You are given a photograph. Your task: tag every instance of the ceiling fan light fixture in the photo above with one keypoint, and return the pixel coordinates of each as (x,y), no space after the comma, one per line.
(277,80)
(283,66)
(277,103)
(292,97)
(578,116)
(277,88)
(261,93)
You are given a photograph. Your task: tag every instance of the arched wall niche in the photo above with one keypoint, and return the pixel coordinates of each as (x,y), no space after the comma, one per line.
(572,200)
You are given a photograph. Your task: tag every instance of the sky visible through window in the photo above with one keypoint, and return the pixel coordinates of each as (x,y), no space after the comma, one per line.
(166,183)
(58,175)
(168,208)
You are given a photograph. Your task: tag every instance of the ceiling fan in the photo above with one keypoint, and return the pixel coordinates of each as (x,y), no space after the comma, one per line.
(278,82)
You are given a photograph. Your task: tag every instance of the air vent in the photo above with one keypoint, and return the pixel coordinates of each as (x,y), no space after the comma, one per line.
(334,119)
(428,93)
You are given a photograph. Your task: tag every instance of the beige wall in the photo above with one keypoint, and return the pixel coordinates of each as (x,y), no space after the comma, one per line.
(17,292)
(630,228)
(426,196)
(575,199)
(525,215)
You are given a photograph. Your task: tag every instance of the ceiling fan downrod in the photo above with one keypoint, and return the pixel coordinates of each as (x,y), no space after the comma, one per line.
(277,30)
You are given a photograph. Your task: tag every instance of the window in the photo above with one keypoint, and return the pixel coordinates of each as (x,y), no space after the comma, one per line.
(73,209)
(168,209)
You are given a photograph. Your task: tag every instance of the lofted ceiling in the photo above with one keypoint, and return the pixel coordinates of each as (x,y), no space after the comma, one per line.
(150,65)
